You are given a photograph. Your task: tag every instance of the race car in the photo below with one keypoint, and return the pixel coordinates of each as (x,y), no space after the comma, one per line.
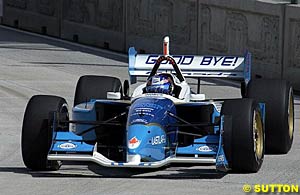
(163,122)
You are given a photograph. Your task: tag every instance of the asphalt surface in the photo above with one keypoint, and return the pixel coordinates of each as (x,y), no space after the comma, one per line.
(32,65)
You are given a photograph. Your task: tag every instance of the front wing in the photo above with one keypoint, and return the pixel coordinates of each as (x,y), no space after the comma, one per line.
(68,146)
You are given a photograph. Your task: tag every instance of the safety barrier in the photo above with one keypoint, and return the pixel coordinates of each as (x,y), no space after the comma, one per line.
(270,30)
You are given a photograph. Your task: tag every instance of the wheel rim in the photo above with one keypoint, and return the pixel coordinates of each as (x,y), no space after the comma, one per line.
(258,135)
(291,114)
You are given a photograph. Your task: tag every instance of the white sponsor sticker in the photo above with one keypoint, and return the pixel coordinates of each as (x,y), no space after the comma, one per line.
(67,146)
(158,140)
(207,148)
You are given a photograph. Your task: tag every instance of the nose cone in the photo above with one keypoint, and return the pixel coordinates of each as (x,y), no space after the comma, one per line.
(148,141)
(148,131)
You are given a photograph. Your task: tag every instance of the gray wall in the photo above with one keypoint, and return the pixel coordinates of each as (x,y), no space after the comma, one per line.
(41,16)
(268,29)
(231,27)
(1,8)
(291,64)
(98,22)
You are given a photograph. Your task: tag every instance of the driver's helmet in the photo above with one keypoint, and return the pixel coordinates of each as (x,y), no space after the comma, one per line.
(161,83)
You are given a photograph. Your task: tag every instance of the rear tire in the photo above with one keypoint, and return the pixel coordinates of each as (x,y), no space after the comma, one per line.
(279,100)
(95,87)
(244,138)
(36,131)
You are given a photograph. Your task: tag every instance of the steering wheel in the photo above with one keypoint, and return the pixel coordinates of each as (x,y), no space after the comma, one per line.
(168,59)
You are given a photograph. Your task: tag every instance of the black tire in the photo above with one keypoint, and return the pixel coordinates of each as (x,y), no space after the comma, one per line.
(243,153)
(95,87)
(36,134)
(278,97)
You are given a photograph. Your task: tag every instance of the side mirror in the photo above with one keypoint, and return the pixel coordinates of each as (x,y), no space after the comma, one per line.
(126,89)
(243,89)
(197,97)
(113,95)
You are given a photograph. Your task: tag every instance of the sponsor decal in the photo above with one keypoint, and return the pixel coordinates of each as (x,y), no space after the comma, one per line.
(223,61)
(207,148)
(134,143)
(150,105)
(153,94)
(143,121)
(156,140)
(142,112)
(207,74)
(199,60)
(221,158)
(67,146)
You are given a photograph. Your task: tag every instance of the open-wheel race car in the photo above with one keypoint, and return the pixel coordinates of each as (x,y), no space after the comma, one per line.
(163,121)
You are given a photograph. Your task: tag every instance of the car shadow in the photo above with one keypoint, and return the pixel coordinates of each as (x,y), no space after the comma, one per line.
(94,171)
(173,172)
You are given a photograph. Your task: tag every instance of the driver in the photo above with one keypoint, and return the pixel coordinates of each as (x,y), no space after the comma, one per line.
(161,83)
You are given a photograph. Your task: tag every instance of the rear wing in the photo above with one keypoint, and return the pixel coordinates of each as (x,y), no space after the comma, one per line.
(191,66)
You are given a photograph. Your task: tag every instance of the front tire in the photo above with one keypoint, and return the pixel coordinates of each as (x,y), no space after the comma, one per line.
(36,134)
(244,138)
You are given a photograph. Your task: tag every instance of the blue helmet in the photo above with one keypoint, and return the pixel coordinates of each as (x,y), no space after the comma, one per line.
(161,83)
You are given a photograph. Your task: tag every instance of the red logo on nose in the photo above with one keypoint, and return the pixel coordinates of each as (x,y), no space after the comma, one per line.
(133,143)
(133,140)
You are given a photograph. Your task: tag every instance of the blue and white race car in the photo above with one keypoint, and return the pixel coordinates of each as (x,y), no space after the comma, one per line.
(163,121)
